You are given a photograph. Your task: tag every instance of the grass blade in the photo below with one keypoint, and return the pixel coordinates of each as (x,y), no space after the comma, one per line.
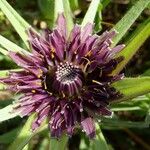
(6,113)
(3,51)
(99,142)
(68,14)
(98,18)
(10,46)
(132,87)
(105,3)
(56,144)
(26,134)
(63,6)
(125,23)
(125,108)
(59,8)
(74,4)
(10,136)
(4,73)
(16,20)
(109,122)
(91,13)
(136,40)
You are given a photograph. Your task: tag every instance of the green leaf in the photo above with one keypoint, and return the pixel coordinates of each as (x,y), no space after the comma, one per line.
(110,122)
(98,19)
(59,8)
(2,86)
(26,134)
(140,103)
(44,144)
(74,4)
(16,20)
(125,108)
(59,144)
(99,142)
(3,51)
(4,73)
(135,41)
(10,136)
(6,113)
(68,15)
(132,87)
(125,23)
(10,46)
(63,6)
(105,3)
(147,118)
(91,13)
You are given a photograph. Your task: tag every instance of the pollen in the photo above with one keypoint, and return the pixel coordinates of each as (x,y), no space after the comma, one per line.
(40,73)
(52,49)
(88,53)
(33,91)
(52,55)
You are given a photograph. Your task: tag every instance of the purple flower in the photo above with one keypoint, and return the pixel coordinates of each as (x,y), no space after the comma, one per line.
(64,77)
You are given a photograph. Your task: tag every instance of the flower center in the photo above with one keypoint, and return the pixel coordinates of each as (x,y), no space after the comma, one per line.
(66,73)
(68,79)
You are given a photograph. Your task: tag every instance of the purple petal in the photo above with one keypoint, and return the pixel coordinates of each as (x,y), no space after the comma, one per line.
(89,127)
(61,25)
(86,31)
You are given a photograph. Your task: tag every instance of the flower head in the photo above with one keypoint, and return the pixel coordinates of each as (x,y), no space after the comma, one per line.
(64,77)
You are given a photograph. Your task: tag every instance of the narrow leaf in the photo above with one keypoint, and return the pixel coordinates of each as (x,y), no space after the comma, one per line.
(10,46)
(2,87)
(147,119)
(98,19)
(3,51)
(4,73)
(109,122)
(132,87)
(10,136)
(74,4)
(16,20)
(99,142)
(68,15)
(56,144)
(125,108)
(114,122)
(91,13)
(125,23)
(135,41)
(140,103)
(26,134)
(59,8)
(6,113)
(105,3)
(44,144)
